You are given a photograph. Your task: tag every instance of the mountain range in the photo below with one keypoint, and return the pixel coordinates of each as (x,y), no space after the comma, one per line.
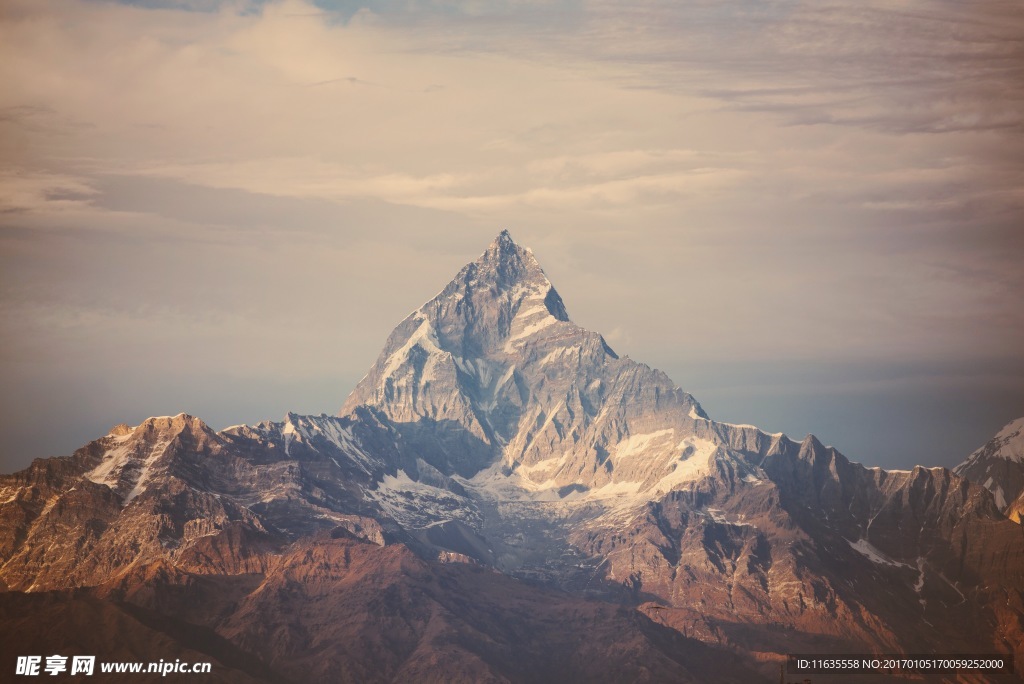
(503,497)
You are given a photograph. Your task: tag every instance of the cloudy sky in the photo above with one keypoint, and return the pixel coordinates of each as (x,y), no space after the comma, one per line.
(810,214)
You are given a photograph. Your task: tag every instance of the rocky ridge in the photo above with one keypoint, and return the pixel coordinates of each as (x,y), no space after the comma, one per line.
(998,465)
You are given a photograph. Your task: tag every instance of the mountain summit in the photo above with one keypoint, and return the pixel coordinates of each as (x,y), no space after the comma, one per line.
(492,369)
(998,466)
(492,303)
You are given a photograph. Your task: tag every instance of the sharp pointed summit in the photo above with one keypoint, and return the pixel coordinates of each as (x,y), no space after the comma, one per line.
(507,278)
(510,268)
(495,307)
(454,361)
(492,370)
(998,466)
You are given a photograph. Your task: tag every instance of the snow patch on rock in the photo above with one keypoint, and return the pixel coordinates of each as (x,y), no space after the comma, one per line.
(866,549)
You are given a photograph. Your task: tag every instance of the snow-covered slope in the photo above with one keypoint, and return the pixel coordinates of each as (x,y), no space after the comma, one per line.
(999,465)
(491,379)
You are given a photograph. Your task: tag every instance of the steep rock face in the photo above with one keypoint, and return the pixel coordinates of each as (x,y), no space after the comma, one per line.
(172,488)
(822,551)
(999,466)
(491,373)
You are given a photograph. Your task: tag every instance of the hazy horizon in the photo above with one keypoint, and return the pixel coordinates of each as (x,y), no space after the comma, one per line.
(809,215)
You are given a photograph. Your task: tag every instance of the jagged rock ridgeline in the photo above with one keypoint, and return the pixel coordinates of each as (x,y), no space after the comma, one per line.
(492,374)
(998,465)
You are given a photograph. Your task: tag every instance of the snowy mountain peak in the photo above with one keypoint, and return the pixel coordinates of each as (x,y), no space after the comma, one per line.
(1008,444)
(503,245)
(120,430)
(133,458)
(491,373)
(1012,436)
(494,308)
(505,271)
(505,253)
(999,464)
